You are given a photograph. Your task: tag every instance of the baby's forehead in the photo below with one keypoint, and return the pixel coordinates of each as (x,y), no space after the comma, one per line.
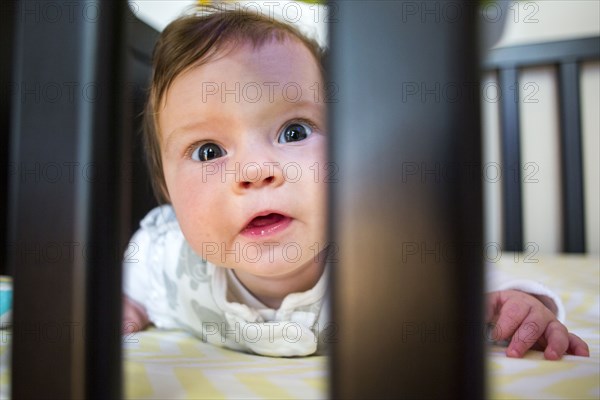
(243,70)
(287,50)
(247,83)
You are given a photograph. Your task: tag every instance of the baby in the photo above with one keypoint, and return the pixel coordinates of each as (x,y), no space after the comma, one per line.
(235,136)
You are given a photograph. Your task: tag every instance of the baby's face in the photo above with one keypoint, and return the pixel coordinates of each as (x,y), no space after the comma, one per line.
(244,155)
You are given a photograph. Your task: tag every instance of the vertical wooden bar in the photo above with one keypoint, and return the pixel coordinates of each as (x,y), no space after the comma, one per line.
(64,237)
(572,162)
(511,159)
(108,146)
(405,210)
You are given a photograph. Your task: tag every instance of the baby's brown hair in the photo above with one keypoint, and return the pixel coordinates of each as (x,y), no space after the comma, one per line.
(194,40)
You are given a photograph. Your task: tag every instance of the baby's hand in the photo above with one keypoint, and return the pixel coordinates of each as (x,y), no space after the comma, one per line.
(134,316)
(529,322)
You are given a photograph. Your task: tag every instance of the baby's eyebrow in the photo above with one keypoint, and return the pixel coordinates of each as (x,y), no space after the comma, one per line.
(181,131)
(306,106)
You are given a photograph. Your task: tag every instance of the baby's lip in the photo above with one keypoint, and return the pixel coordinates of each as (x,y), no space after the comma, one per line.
(265,223)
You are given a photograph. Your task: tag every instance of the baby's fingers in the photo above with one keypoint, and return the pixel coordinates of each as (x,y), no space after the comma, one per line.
(557,339)
(526,336)
(510,318)
(577,346)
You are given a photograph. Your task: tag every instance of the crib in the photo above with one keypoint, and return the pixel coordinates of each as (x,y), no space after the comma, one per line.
(64,347)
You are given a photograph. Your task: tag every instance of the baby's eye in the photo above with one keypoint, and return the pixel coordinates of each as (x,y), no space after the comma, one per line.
(294,132)
(207,152)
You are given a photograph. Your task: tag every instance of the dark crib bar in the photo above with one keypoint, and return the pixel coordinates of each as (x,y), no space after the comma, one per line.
(572,161)
(511,160)
(378,130)
(65,235)
(543,53)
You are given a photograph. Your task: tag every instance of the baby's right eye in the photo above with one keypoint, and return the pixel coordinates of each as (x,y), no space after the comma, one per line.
(207,152)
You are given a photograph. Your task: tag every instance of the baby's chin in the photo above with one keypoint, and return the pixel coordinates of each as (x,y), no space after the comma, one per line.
(273,268)
(268,258)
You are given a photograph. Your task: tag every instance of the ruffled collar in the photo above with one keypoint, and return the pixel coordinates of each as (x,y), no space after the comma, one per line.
(291,331)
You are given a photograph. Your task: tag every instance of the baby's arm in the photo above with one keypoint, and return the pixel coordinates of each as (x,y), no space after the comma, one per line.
(136,284)
(145,259)
(530,323)
(135,317)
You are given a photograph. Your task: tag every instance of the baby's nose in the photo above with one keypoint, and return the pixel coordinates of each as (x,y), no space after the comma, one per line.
(256,175)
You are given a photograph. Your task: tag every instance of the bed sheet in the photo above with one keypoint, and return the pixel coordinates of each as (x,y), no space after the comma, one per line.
(174,364)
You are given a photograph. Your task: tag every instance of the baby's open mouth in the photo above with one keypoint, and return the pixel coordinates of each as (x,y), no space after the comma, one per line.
(265,225)
(266,220)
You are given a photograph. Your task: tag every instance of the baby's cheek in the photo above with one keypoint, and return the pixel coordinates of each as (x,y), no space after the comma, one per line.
(317,169)
(197,214)
(191,187)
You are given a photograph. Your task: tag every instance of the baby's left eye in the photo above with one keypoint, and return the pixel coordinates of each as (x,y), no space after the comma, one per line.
(294,132)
